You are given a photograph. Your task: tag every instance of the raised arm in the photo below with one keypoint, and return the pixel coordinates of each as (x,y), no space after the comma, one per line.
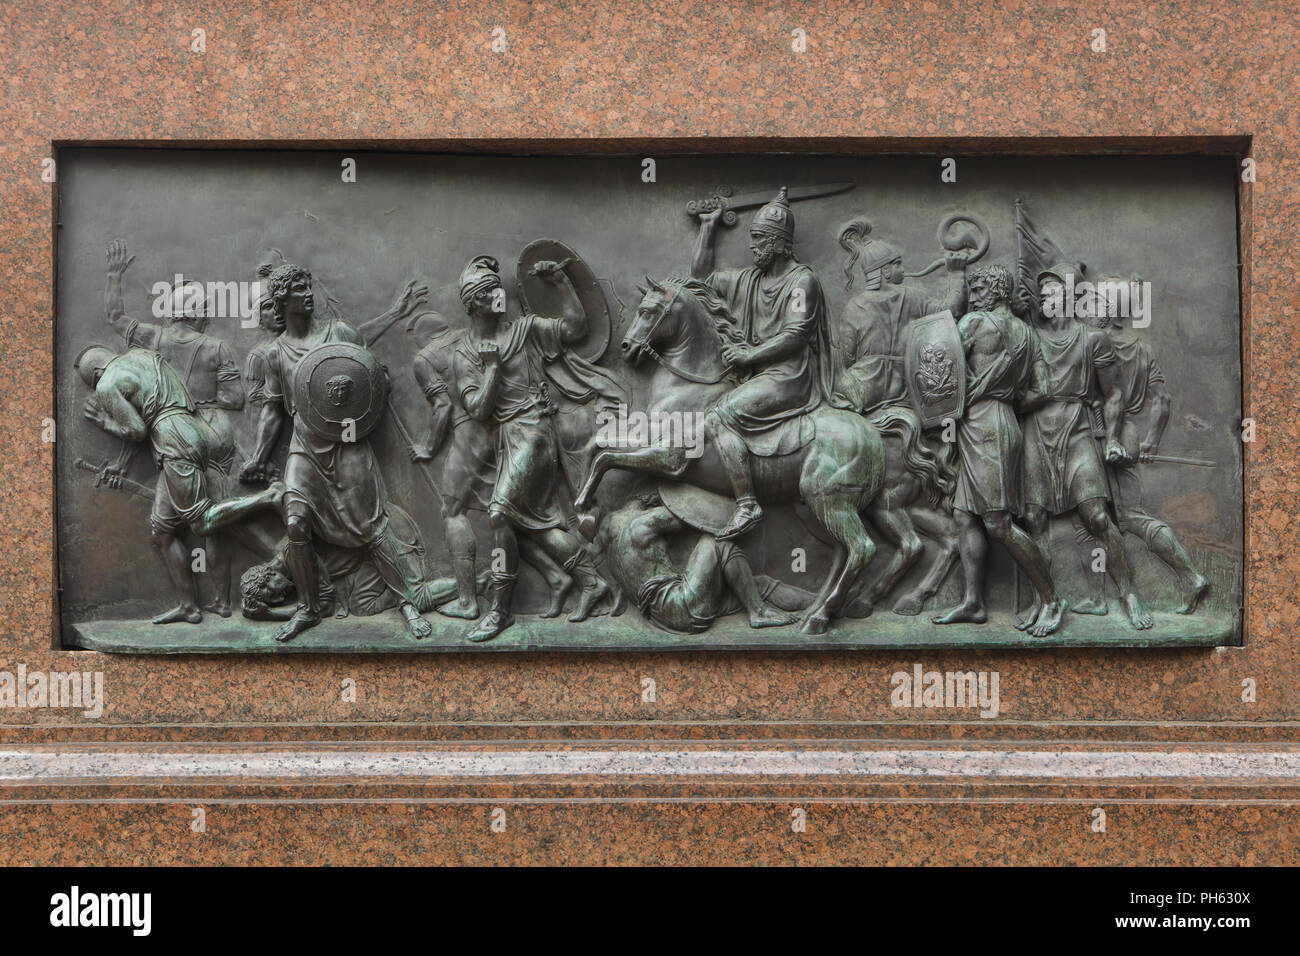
(114,308)
(957,262)
(408,300)
(702,260)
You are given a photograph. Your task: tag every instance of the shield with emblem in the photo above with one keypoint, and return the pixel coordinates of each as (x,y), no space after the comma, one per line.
(935,368)
(336,384)
(541,297)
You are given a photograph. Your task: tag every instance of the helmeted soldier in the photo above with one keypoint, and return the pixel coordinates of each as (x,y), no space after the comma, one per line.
(872,332)
(498,370)
(783,351)
(468,470)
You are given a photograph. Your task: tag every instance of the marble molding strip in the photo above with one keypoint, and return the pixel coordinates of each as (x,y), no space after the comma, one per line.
(77,767)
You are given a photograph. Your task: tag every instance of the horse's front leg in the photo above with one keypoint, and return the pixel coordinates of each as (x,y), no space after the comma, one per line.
(657,460)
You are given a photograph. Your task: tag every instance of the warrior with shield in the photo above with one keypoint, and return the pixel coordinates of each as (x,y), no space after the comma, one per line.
(320,375)
(499,370)
(783,351)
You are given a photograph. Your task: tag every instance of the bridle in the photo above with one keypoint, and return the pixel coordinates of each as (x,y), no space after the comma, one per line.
(649,349)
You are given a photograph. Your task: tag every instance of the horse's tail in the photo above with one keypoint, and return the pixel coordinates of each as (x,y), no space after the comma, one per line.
(919,459)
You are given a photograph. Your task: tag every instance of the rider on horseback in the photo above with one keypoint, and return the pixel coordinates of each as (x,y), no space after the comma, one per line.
(783,347)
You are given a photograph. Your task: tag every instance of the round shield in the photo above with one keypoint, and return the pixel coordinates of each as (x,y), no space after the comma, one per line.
(705,510)
(339,391)
(544,298)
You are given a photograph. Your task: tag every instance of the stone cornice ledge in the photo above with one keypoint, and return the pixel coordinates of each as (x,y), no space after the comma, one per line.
(637,766)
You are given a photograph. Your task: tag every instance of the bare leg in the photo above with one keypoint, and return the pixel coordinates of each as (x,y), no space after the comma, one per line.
(1030,557)
(177,562)
(218,574)
(941,528)
(1036,523)
(974,548)
(559,583)
(564,547)
(1095,517)
(1096,600)
(1165,546)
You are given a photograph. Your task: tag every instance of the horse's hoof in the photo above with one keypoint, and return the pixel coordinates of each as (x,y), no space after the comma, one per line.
(816,624)
(587,526)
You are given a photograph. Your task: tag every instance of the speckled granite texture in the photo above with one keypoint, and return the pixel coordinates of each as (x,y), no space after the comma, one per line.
(650,78)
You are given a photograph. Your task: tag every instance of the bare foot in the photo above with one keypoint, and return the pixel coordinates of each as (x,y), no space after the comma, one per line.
(909,605)
(558,593)
(964,613)
(1138,616)
(1090,606)
(591,593)
(185,613)
(1200,587)
(417,625)
(767,616)
(219,608)
(1026,620)
(303,619)
(459,607)
(1049,619)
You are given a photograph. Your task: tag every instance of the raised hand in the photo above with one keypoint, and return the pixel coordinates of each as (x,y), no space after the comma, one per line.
(118,260)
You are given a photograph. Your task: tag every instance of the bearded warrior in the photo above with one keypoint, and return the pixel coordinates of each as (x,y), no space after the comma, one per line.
(783,351)
(1004,368)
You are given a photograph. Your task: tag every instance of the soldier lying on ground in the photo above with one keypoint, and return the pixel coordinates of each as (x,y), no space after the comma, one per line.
(718,579)
(350,583)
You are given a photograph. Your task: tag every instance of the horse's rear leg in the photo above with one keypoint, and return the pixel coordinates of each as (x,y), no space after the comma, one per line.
(838,514)
(940,528)
(895,524)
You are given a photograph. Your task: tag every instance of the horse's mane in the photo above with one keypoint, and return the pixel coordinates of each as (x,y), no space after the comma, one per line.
(708,297)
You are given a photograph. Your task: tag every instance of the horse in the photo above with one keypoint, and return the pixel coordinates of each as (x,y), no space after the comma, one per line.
(680,324)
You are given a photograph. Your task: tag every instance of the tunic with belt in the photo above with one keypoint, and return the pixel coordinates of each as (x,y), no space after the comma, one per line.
(1062,463)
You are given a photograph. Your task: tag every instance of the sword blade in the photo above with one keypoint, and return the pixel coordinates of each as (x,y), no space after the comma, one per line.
(1178,460)
(794,194)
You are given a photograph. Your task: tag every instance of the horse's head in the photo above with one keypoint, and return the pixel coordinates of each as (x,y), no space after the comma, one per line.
(676,314)
(656,325)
